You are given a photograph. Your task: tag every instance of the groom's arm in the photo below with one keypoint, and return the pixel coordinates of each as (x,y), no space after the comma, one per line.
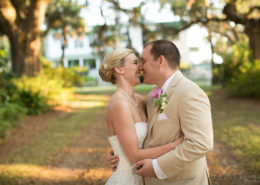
(196,124)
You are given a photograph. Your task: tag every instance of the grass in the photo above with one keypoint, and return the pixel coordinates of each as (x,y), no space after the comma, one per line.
(237,125)
(60,132)
(31,159)
(142,88)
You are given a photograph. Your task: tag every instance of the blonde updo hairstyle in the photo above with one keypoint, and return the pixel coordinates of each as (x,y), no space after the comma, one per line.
(113,59)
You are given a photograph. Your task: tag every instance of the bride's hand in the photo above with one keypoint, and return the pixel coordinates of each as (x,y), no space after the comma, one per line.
(112,160)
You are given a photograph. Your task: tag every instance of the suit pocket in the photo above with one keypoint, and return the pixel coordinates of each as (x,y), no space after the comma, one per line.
(161,117)
(182,176)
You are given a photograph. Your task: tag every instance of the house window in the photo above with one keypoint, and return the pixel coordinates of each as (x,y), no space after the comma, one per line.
(194,49)
(78,43)
(90,63)
(73,63)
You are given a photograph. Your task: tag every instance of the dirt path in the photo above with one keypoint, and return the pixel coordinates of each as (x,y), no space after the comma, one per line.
(27,131)
(83,161)
(223,169)
(86,155)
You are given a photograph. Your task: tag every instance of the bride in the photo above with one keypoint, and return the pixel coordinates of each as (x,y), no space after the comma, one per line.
(126,117)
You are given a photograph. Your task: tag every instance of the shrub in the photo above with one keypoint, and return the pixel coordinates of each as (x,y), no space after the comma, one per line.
(7,88)
(9,114)
(33,101)
(3,58)
(234,62)
(240,73)
(39,92)
(247,83)
(70,76)
(10,111)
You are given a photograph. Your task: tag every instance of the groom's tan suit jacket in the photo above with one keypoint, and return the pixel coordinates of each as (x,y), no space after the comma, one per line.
(187,113)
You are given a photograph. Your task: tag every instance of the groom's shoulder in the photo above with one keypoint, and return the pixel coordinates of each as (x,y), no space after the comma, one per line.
(188,86)
(187,83)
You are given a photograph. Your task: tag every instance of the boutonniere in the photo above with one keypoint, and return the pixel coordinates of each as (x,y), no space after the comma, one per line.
(160,100)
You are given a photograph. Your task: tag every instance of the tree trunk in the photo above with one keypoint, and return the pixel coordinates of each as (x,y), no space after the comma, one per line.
(252,29)
(33,42)
(17,55)
(213,79)
(23,33)
(63,46)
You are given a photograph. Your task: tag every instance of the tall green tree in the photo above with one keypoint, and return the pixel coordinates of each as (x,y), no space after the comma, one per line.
(246,13)
(63,16)
(20,21)
(108,36)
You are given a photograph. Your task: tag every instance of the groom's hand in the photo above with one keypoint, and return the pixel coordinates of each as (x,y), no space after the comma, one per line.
(113,160)
(145,168)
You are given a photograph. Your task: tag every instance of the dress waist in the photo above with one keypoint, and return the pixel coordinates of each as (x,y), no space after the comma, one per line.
(125,166)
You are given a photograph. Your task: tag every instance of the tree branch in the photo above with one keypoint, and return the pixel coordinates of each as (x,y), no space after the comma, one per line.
(19,6)
(118,7)
(7,18)
(252,9)
(102,13)
(231,13)
(200,20)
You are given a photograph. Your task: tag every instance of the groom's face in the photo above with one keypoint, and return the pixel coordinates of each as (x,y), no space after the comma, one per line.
(149,66)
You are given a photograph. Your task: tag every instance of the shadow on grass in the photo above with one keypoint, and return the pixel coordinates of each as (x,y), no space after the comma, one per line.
(31,163)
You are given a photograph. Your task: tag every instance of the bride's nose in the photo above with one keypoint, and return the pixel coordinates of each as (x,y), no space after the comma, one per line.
(140,67)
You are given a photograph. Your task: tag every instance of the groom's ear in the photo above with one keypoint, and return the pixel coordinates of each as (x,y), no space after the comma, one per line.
(162,60)
(119,70)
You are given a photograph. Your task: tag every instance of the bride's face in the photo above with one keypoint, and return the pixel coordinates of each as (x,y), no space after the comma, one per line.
(131,69)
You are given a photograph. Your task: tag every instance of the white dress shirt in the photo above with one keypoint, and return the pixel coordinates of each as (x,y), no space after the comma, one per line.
(157,170)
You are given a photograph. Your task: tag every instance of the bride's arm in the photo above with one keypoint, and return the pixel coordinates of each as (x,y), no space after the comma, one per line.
(124,126)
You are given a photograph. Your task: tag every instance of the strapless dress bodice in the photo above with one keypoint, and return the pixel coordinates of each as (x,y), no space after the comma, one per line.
(125,173)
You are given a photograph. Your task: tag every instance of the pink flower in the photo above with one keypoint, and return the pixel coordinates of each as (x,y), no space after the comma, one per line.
(156,92)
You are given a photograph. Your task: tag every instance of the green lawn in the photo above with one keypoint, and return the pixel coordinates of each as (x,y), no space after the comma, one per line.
(29,159)
(142,88)
(60,132)
(237,125)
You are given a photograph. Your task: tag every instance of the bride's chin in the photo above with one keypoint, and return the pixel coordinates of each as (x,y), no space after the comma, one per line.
(137,83)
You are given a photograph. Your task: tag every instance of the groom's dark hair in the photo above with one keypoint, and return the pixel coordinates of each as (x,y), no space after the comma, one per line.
(166,48)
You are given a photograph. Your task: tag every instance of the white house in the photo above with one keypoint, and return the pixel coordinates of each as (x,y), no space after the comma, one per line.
(80,53)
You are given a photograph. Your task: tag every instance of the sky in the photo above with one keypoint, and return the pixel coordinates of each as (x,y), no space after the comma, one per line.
(195,35)
(151,11)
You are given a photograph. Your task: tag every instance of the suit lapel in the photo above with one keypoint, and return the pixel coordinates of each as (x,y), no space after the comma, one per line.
(177,78)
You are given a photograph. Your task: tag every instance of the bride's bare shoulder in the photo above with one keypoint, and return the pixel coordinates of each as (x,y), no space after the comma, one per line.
(117,101)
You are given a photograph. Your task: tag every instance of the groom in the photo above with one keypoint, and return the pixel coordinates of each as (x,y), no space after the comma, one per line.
(187,113)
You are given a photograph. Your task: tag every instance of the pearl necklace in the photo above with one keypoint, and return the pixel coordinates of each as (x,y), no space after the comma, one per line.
(128,97)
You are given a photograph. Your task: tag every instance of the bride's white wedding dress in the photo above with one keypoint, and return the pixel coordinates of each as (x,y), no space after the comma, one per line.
(125,173)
